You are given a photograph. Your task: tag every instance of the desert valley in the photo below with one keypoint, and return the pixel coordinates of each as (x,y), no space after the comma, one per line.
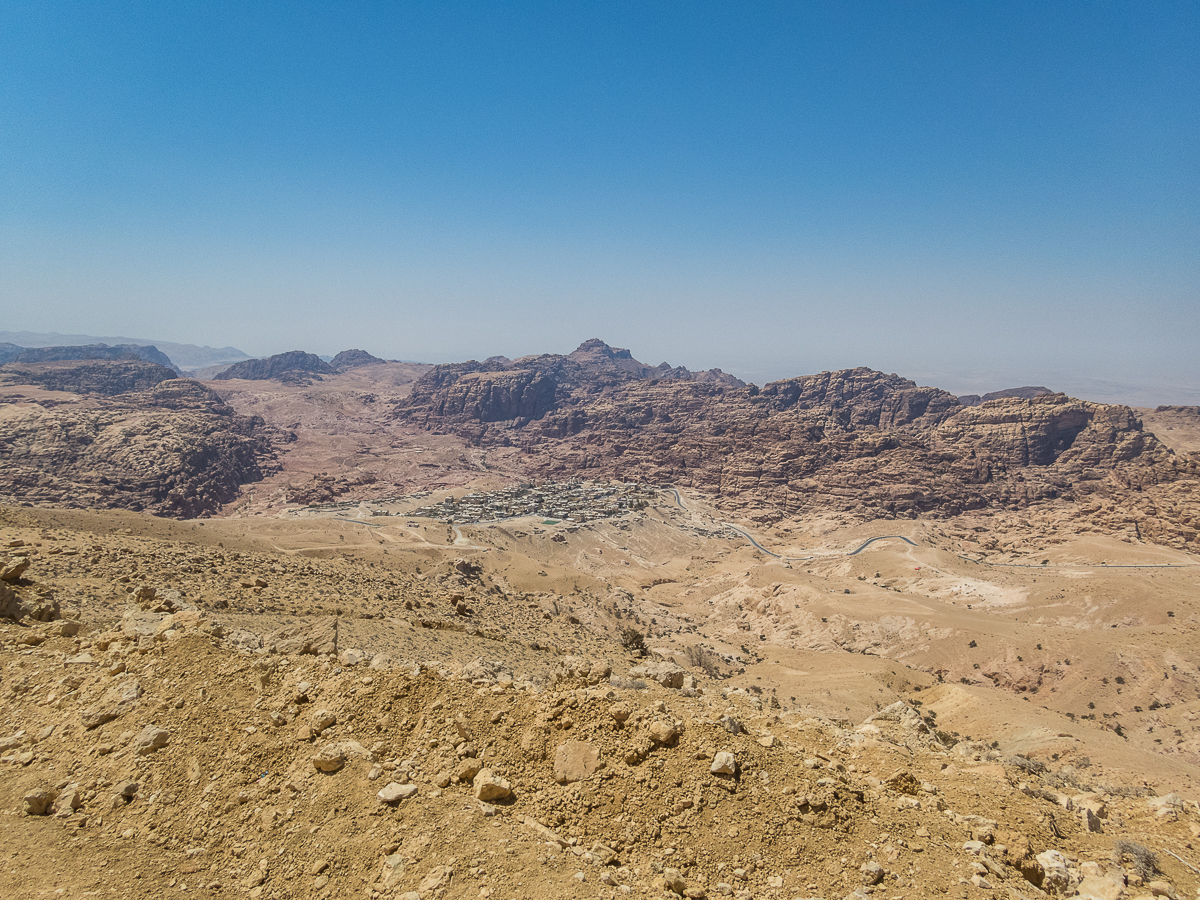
(572,625)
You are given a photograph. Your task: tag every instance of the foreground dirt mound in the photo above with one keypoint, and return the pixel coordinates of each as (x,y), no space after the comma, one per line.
(147,759)
(216,715)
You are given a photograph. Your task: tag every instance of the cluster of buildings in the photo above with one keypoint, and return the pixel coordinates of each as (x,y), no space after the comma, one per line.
(572,501)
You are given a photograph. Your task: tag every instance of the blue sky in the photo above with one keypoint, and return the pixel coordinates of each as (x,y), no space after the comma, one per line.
(973,195)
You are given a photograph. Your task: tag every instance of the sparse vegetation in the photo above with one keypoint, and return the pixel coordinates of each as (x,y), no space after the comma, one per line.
(1137,857)
(707,660)
(1025,764)
(633,640)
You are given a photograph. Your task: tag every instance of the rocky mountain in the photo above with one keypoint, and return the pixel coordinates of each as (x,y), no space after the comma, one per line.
(149,353)
(517,392)
(106,377)
(350,359)
(187,356)
(858,440)
(295,367)
(1026,393)
(128,435)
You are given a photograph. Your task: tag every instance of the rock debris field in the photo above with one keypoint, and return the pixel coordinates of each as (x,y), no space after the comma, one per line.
(155,747)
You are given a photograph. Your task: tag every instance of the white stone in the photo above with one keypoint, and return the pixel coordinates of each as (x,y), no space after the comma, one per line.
(723,764)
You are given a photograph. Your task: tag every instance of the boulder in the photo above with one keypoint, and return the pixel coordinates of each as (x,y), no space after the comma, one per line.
(39,801)
(394,792)
(1056,873)
(668,674)
(12,569)
(332,757)
(116,701)
(35,606)
(663,733)
(318,638)
(489,786)
(723,764)
(150,740)
(575,761)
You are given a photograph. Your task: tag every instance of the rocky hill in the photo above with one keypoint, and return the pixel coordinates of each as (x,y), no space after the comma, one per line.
(124,434)
(350,359)
(187,356)
(1025,393)
(295,367)
(463,396)
(90,376)
(72,352)
(857,440)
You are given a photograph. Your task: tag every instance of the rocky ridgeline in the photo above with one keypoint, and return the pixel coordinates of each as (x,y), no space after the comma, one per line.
(293,367)
(158,755)
(857,441)
(471,395)
(136,438)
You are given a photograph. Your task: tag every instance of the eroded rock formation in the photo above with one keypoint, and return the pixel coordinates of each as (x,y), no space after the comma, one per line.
(138,438)
(856,440)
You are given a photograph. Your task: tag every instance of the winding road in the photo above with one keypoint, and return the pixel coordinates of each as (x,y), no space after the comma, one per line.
(883,537)
(748,536)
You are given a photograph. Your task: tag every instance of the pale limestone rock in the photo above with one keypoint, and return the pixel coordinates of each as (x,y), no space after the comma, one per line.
(394,792)
(723,764)
(489,786)
(150,740)
(575,761)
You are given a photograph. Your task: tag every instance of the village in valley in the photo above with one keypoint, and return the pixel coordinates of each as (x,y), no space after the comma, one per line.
(563,501)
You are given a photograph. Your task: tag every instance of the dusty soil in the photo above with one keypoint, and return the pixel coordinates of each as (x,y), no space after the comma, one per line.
(1029,692)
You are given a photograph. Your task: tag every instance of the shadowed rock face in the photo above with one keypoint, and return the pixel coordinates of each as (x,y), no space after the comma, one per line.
(293,366)
(173,448)
(856,440)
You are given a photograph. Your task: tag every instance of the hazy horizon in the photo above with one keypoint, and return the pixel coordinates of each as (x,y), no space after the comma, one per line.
(973,197)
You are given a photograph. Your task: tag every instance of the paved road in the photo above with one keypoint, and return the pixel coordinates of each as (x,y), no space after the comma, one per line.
(882,537)
(748,536)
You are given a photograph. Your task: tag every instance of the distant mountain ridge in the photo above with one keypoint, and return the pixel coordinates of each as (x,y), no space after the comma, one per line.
(1025,393)
(293,366)
(73,353)
(187,357)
